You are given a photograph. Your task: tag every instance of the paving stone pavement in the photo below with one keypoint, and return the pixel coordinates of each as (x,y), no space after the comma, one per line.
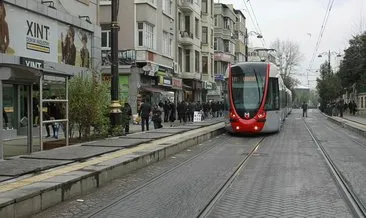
(347,150)
(287,178)
(119,187)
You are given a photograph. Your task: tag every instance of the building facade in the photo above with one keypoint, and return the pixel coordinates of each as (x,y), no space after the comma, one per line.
(189,35)
(43,44)
(241,37)
(146,44)
(207,45)
(224,46)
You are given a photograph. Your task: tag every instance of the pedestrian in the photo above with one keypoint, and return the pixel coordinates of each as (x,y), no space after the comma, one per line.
(172,115)
(341,106)
(156,116)
(304,109)
(144,113)
(5,118)
(128,112)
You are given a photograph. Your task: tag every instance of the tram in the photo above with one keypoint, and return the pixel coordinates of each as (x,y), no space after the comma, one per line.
(258,99)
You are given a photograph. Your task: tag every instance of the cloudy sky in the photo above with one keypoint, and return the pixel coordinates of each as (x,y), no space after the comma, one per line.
(294,19)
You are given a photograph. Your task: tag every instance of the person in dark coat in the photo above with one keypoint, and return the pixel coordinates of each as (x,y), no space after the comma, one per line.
(172,113)
(156,116)
(144,113)
(182,112)
(127,111)
(304,109)
(5,117)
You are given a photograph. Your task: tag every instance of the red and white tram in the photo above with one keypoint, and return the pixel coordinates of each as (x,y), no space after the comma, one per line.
(258,98)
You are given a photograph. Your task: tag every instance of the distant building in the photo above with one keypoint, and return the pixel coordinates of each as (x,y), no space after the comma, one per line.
(260,54)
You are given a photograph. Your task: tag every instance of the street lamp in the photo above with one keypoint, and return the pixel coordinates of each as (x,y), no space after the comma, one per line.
(329,54)
(115,106)
(259,36)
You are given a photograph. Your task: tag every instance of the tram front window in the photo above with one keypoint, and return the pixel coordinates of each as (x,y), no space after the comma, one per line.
(248,83)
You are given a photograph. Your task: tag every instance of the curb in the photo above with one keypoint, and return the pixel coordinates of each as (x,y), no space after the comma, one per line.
(38,196)
(345,125)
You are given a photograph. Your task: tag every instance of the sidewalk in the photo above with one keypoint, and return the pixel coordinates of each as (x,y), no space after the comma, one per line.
(353,123)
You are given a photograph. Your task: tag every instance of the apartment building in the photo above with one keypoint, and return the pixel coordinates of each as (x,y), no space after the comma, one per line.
(207,46)
(189,36)
(147,40)
(241,37)
(224,46)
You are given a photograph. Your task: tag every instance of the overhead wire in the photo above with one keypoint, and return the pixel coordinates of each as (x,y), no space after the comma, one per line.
(256,28)
(256,21)
(321,33)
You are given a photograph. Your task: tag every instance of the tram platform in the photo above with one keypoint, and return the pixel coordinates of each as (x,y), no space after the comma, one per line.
(31,183)
(353,123)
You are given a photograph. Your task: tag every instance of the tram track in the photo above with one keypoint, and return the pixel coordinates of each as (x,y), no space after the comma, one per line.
(354,203)
(99,210)
(238,169)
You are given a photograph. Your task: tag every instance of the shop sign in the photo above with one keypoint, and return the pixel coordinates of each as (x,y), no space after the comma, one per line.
(165,81)
(208,85)
(177,83)
(33,63)
(219,77)
(33,35)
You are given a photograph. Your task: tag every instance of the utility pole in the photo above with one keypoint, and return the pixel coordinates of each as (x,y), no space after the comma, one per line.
(115,106)
(329,61)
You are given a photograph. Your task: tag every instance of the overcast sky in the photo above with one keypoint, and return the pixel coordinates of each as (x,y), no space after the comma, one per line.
(294,19)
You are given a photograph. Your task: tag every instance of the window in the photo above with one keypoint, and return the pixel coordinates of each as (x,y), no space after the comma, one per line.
(180,59)
(188,56)
(216,21)
(197,61)
(212,38)
(197,27)
(167,6)
(106,39)
(204,35)
(187,24)
(145,35)
(226,45)
(227,23)
(167,44)
(204,6)
(179,21)
(204,65)
(215,44)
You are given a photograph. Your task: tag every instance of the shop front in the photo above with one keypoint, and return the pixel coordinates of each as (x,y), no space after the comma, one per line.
(24,87)
(38,56)
(192,90)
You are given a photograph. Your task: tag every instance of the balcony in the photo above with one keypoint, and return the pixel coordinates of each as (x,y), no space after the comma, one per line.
(125,57)
(186,6)
(186,38)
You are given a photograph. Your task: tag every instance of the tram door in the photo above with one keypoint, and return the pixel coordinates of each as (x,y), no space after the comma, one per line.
(17,119)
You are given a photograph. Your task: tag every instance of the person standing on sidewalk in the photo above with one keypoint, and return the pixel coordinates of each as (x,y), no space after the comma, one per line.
(144,113)
(128,112)
(304,109)
(341,106)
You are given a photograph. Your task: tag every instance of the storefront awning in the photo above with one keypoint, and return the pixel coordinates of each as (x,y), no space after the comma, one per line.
(152,89)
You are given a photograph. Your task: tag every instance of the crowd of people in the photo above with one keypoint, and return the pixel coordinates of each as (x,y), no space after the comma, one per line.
(168,112)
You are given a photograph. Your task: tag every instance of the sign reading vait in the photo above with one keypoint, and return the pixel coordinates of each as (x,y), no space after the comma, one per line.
(33,63)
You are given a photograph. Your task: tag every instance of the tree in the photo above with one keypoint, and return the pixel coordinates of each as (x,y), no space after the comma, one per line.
(88,105)
(353,65)
(328,85)
(288,57)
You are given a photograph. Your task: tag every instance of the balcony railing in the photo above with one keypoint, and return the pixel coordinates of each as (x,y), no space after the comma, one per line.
(185,34)
(125,57)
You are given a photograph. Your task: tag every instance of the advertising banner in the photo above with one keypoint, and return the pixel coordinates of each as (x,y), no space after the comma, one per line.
(28,34)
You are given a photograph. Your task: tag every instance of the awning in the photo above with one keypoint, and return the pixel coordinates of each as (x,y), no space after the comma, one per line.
(186,86)
(152,89)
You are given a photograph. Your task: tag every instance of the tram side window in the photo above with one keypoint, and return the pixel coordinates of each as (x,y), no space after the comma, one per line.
(273,95)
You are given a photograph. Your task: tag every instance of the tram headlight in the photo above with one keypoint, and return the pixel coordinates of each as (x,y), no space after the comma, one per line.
(237,128)
(255,128)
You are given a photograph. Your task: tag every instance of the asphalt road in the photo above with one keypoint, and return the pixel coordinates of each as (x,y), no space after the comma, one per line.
(286,176)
